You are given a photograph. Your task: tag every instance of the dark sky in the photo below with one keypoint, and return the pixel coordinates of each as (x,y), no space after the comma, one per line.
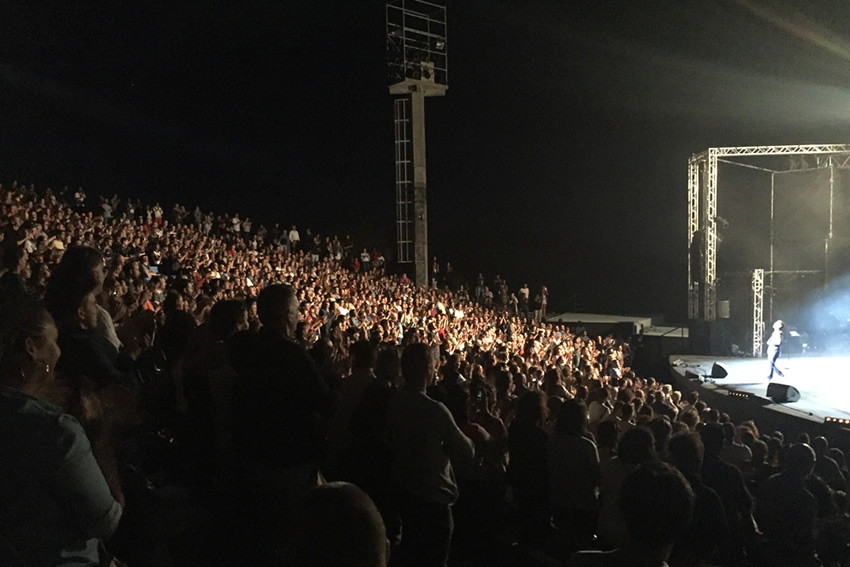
(558,155)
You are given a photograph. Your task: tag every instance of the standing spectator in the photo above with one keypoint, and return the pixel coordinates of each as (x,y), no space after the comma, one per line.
(57,504)
(106,207)
(528,473)
(157,214)
(294,238)
(479,288)
(80,200)
(573,477)
(542,302)
(522,296)
(636,447)
(281,407)
(424,437)
(656,504)
(339,525)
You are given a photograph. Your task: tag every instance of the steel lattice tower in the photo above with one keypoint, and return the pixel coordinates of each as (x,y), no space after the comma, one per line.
(417,66)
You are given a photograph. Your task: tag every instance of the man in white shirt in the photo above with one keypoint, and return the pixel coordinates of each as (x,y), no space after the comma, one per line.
(774,348)
(294,238)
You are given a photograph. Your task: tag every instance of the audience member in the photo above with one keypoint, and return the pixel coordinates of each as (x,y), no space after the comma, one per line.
(656,504)
(424,439)
(57,506)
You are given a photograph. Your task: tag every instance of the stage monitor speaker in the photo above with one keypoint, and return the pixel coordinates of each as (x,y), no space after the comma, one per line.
(718,371)
(782,393)
(691,375)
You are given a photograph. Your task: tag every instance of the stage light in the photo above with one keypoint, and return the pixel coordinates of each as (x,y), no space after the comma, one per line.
(836,420)
(739,394)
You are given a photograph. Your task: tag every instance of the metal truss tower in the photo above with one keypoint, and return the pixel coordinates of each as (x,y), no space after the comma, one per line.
(702,215)
(758,311)
(417,66)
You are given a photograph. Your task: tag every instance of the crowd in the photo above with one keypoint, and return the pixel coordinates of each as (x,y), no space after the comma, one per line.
(193,390)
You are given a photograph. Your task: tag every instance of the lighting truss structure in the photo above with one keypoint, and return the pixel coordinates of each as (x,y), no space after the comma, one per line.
(758,311)
(416,41)
(404,197)
(702,210)
(417,66)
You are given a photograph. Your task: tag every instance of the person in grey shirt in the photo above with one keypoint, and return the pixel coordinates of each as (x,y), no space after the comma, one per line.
(424,438)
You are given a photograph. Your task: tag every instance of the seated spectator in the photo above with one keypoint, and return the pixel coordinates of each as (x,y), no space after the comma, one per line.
(826,467)
(734,451)
(704,541)
(656,505)
(57,506)
(729,484)
(661,432)
(787,512)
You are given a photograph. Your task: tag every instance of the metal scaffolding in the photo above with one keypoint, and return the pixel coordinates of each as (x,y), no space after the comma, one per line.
(403,179)
(702,223)
(702,197)
(693,227)
(417,66)
(416,41)
(758,311)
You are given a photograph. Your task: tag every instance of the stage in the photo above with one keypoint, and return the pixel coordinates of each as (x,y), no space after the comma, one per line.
(822,380)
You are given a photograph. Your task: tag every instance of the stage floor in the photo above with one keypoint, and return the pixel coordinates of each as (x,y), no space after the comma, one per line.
(823,381)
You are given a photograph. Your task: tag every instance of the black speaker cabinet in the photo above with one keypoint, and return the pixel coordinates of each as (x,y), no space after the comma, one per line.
(782,393)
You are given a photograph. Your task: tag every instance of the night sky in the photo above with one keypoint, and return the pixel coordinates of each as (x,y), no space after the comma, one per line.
(558,156)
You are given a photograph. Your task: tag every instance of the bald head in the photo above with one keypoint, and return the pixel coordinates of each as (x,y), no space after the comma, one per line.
(340,525)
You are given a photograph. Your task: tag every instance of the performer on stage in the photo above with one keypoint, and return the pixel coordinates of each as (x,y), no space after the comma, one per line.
(774,348)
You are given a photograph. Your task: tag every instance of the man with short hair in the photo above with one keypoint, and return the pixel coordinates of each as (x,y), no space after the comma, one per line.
(656,503)
(774,348)
(281,407)
(522,296)
(424,437)
(787,512)
(339,525)
(294,238)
